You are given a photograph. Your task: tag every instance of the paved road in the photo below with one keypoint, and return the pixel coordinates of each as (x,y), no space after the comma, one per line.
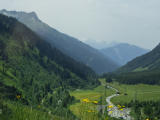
(114,111)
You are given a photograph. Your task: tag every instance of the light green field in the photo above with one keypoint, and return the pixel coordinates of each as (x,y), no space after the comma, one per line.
(92,95)
(140,69)
(139,92)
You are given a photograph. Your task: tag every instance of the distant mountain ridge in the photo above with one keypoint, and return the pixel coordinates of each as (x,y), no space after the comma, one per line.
(122,53)
(68,45)
(149,61)
(100,44)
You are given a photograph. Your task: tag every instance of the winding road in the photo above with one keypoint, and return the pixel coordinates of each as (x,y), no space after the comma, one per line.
(114,111)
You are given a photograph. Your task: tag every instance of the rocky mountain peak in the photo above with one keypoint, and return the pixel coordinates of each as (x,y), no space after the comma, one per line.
(18,15)
(33,14)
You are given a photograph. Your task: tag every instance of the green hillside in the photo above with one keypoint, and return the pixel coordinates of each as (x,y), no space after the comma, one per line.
(32,73)
(144,69)
(149,61)
(68,45)
(123,52)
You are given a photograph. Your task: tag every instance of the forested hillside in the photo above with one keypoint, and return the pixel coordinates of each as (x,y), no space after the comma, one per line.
(144,69)
(36,73)
(145,77)
(149,61)
(68,45)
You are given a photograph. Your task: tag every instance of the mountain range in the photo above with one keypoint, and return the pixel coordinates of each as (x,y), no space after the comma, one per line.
(68,45)
(100,44)
(122,53)
(149,62)
(144,69)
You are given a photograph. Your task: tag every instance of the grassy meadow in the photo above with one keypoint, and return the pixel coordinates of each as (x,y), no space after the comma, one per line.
(140,92)
(88,111)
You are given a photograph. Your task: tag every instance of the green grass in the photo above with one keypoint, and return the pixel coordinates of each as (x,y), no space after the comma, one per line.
(139,92)
(139,69)
(92,95)
(23,112)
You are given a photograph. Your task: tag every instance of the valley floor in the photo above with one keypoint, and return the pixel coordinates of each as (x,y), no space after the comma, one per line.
(140,92)
(117,111)
(98,94)
(127,93)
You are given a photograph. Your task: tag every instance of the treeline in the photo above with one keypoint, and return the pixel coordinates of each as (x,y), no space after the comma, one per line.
(145,77)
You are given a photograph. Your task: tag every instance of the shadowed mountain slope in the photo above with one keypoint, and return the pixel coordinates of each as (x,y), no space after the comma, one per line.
(67,44)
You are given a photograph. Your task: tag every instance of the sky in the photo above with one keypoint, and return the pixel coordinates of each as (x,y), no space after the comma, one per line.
(129,21)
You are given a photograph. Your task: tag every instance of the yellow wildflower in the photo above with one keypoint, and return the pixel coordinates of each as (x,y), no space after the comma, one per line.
(95,102)
(91,111)
(110,106)
(110,112)
(86,100)
(119,106)
(121,109)
(18,96)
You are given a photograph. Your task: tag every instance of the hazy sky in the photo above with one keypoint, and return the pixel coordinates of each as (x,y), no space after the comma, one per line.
(133,21)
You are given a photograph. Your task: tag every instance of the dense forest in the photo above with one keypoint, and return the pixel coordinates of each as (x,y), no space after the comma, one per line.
(145,77)
(35,74)
(145,110)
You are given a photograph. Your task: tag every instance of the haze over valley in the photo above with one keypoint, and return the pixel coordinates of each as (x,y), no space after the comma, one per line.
(79,60)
